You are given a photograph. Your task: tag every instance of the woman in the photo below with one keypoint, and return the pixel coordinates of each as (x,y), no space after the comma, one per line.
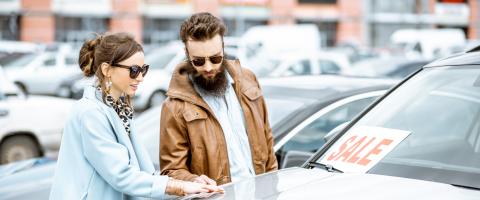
(100,155)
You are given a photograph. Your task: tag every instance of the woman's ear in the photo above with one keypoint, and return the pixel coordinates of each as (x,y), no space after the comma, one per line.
(105,69)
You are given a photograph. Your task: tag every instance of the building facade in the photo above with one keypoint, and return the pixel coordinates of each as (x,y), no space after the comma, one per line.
(362,22)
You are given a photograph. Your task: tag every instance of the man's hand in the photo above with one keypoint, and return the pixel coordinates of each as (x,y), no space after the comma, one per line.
(204,180)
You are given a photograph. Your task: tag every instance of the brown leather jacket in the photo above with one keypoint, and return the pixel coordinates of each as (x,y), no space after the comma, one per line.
(191,139)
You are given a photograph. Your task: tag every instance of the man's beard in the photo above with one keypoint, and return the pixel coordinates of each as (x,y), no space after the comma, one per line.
(216,86)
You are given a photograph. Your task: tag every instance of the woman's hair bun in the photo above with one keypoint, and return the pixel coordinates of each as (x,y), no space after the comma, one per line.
(87,56)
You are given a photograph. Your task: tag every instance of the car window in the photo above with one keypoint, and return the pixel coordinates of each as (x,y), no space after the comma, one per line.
(50,62)
(20,62)
(300,68)
(71,60)
(406,70)
(310,138)
(160,61)
(440,108)
(328,67)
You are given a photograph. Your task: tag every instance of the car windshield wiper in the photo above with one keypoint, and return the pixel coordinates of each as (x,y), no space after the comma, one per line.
(327,167)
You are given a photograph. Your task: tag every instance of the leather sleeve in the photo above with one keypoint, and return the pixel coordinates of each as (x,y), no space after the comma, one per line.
(174,146)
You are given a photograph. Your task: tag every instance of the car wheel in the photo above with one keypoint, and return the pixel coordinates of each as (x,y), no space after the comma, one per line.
(64,91)
(18,148)
(157,98)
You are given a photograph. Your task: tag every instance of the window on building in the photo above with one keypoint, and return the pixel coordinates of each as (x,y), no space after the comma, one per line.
(236,27)
(318,1)
(78,29)
(156,30)
(9,25)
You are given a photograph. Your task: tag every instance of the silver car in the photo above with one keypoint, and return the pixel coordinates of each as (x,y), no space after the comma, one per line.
(44,72)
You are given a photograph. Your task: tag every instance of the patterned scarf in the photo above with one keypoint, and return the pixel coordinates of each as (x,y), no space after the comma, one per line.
(122,109)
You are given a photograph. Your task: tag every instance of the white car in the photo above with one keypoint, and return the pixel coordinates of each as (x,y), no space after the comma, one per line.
(44,73)
(300,63)
(152,91)
(29,126)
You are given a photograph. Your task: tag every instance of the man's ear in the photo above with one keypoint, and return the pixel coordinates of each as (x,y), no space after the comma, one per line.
(186,52)
(105,69)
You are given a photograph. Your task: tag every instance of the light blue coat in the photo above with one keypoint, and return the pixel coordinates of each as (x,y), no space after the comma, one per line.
(97,159)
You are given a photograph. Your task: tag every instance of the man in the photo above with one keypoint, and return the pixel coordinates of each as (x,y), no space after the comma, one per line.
(214,123)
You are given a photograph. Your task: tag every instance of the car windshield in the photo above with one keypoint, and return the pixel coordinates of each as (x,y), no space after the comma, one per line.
(376,67)
(280,108)
(439,108)
(263,67)
(160,59)
(20,61)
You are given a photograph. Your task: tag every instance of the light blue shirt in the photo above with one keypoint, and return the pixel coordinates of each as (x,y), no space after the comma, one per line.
(229,114)
(98,160)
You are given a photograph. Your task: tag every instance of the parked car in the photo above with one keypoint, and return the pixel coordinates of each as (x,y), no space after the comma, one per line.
(27,179)
(301,117)
(387,67)
(300,63)
(421,140)
(30,126)
(44,73)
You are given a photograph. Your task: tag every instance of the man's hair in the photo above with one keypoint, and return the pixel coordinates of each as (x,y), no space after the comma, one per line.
(201,26)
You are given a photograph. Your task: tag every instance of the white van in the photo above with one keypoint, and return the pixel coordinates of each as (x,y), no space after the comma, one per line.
(264,41)
(428,43)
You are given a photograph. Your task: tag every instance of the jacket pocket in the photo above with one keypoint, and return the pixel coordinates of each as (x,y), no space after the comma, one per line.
(194,114)
(253,93)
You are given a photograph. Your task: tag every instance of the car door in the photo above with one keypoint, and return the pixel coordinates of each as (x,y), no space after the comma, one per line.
(39,78)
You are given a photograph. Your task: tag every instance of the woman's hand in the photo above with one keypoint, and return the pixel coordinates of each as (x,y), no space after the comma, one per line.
(182,188)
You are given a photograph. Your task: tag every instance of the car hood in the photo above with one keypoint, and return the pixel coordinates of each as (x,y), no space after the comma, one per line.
(299,183)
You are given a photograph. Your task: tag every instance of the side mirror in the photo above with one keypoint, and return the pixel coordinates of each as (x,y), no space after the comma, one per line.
(334,131)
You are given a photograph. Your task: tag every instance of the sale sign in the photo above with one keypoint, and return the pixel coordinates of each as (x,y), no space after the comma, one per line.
(363,147)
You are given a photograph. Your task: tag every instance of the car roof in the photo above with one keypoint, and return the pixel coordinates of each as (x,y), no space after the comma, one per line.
(318,82)
(302,113)
(471,57)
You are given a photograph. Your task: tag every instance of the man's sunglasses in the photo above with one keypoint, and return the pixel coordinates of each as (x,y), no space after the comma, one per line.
(135,70)
(198,62)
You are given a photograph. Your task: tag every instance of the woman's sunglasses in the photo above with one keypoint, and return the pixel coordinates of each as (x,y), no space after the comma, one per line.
(198,62)
(135,70)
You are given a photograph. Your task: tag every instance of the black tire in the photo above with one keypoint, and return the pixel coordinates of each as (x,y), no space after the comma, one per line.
(64,92)
(17,148)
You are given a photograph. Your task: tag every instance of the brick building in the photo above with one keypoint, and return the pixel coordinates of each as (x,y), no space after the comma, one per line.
(365,22)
